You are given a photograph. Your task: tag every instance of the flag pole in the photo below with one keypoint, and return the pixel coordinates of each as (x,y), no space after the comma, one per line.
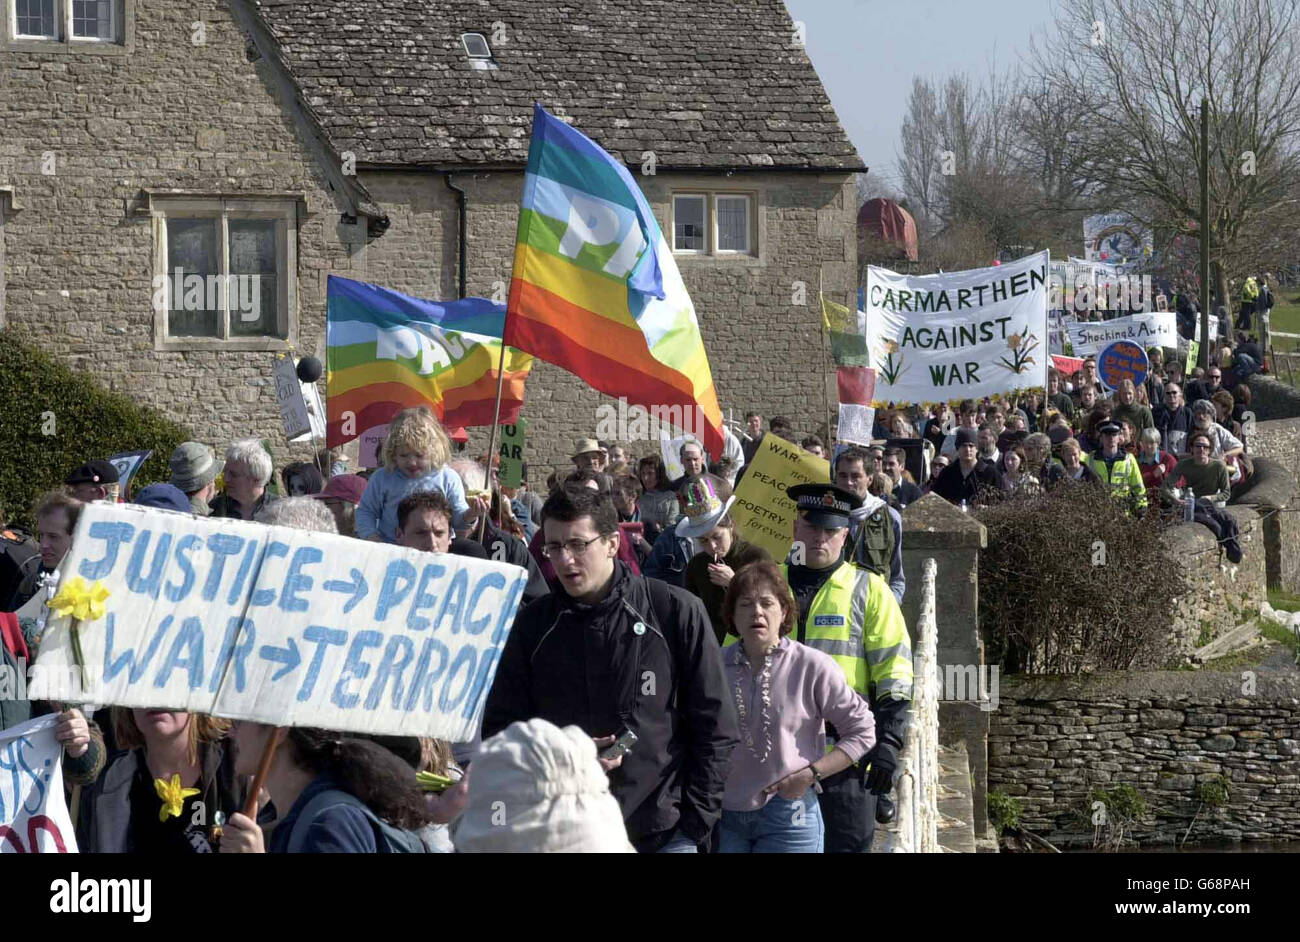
(492,437)
(826,395)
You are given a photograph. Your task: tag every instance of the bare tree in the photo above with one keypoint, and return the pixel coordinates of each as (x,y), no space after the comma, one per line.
(1139,70)
(919,155)
(874,185)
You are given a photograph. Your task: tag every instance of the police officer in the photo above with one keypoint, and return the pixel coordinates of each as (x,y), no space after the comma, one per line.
(850,614)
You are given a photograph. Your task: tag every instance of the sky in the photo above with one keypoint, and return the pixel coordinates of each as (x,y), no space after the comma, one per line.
(867,52)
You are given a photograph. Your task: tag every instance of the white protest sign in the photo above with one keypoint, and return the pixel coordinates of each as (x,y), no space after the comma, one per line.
(966,334)
(288,393)
(671,451)
(281,626)
(33,816)
(855,423)
(1059,332)
(315,414)
(1146,330)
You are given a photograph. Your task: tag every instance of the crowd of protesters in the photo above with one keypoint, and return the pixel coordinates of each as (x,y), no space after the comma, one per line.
(734,749)
(1140,441)
(752,738)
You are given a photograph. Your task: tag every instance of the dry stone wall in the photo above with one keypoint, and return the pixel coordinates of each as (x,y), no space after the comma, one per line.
(1166,734)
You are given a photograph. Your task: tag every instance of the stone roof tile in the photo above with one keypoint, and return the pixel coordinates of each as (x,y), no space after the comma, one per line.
(386,77)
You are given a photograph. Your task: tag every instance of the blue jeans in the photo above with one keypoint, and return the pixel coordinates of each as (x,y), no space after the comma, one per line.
(679,843)
(782,826)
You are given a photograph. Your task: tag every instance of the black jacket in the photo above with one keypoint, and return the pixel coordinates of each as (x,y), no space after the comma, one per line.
(575,664)
(105,820)
(955,487)
(905,492)
(508,548)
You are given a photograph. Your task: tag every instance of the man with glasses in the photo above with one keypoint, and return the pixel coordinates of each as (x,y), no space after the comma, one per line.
(1205,388)
(1088,377)
(613,652)
(1173,419)
(1205,479)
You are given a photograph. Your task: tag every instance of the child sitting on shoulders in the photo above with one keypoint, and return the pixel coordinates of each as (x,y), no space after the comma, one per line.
(416,452)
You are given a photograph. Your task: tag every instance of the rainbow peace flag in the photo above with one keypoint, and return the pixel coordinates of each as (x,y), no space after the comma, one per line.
(595,289)
(386,351)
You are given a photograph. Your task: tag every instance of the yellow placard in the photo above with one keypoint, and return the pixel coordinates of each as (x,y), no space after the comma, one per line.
(763,514)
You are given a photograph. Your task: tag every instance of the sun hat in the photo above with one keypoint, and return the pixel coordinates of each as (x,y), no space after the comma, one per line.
(193,466)
(555,793)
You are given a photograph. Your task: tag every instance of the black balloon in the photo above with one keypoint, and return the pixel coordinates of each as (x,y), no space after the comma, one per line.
(309,369)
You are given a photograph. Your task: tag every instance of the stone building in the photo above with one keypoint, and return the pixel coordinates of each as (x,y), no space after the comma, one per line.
(385,141)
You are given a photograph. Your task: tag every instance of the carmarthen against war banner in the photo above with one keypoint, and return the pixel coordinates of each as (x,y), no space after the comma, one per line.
(958,335)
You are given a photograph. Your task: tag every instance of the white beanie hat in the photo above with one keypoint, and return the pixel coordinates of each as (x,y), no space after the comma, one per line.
(536,788)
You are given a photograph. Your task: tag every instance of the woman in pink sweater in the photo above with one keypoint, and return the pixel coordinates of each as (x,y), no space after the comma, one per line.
(785,692)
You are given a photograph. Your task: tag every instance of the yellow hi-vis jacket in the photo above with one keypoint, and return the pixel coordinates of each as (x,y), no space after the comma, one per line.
(856,620)
(1123,476)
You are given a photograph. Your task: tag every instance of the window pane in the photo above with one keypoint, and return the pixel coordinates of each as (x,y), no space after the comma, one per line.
(192,275)
(35,18)
(92,19)
(255,289)
(733,223)
(688,224)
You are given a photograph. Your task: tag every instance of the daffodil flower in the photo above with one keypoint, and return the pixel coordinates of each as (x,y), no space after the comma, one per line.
(80,601)
(173,796)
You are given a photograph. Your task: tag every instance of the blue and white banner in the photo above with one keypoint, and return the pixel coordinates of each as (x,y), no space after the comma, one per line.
(33,815)
(279,626)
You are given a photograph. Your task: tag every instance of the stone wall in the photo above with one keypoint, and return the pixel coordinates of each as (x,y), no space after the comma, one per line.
(1163,733)
(1271,398)
(1220,596)
(78,257)
(1278,439)
(1275,496)
(79,253)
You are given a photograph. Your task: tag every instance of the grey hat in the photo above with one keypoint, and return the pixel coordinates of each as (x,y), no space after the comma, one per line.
(193,467)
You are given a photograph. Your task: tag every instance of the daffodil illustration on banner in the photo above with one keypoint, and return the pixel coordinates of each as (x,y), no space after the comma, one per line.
(958,335)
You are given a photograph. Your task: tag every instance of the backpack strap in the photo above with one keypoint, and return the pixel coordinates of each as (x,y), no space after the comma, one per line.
(388,839)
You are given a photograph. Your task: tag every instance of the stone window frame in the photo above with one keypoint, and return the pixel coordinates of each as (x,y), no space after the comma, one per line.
(285,209)
(757,254)
(66,44)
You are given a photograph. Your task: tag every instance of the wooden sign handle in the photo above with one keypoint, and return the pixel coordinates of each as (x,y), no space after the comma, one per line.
(263,768)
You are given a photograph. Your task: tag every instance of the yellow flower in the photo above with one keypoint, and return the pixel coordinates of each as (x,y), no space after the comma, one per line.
(1014,341)
(173,796)
(219,482)
(83,602)
(891,346)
